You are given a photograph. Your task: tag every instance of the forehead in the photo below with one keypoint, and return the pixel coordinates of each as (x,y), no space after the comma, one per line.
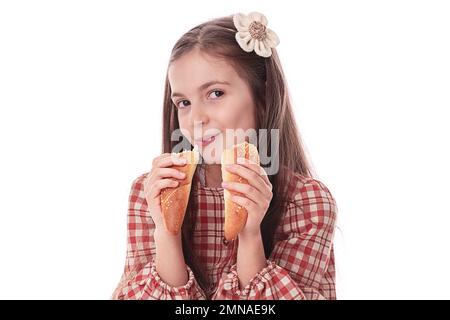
(195,68)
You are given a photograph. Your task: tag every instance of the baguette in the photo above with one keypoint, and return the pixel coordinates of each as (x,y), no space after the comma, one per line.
(174,200)
(235,215)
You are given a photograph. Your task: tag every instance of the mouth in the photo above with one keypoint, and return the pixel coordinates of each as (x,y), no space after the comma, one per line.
(205,140)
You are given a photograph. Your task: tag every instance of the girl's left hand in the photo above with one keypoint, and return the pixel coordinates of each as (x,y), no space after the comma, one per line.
(258,193)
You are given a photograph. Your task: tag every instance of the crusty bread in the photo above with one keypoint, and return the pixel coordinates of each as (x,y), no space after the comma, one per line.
(174,200)
(235,215)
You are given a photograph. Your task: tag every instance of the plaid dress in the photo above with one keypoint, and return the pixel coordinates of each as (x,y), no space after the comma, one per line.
(301,265)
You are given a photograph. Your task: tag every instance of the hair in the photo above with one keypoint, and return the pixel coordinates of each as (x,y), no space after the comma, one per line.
(269,90)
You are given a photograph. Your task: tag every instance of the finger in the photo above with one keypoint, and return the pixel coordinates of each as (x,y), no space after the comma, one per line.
(251,176)
(169,172)
(249,191)
(156,187)
(245,202)
(168,161)
(159,158)
(255,167)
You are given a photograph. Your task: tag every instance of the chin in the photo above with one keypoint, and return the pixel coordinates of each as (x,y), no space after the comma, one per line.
(211,154)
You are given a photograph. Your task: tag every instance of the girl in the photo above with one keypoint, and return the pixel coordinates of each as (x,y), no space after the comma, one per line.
(226,74)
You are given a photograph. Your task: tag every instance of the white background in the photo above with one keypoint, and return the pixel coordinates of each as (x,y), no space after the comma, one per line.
(81,85)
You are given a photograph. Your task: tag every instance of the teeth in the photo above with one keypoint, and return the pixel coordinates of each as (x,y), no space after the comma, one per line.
(204,140)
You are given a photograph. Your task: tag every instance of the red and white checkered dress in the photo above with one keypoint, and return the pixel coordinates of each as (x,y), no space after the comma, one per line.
(301,265)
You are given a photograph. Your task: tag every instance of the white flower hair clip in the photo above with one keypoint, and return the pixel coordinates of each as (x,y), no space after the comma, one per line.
(253,34)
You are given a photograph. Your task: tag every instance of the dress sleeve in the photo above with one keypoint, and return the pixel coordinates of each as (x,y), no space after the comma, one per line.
(140,280)
(301,266)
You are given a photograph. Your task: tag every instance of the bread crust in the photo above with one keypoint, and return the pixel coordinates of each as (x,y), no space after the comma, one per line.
(235,215)
(174,200)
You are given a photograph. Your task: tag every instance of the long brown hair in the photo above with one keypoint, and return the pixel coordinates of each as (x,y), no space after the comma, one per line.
(267,83)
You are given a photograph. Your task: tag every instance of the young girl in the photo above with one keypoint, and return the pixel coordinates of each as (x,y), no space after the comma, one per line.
(226,74)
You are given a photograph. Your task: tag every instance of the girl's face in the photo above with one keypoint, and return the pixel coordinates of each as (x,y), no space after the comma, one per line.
(210,98)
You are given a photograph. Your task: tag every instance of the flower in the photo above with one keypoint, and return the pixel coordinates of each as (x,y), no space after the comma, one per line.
(253,34)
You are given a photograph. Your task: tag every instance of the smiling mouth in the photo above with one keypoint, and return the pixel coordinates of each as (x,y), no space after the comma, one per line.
(205,141)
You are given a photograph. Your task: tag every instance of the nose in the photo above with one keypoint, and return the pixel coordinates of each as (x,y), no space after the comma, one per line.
(198,117)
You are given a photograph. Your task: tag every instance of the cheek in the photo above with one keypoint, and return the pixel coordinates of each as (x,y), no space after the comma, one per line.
(183,121)
(238,115)
(185,128)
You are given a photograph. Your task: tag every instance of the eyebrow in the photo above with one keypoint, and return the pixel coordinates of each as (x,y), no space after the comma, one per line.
(202,87)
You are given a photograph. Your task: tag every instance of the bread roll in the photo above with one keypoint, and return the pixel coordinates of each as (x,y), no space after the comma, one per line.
(235,215)
(174,200)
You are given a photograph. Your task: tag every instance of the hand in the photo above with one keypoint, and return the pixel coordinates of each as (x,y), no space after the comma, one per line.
(158,179)
(257,195)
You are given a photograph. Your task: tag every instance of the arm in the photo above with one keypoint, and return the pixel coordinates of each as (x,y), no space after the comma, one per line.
(300,266)
(140,278)
(169,259)
(250,258)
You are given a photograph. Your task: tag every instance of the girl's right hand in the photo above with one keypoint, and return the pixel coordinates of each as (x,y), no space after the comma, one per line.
(160,177)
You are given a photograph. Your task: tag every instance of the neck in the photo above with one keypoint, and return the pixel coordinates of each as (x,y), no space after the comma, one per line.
(213,175)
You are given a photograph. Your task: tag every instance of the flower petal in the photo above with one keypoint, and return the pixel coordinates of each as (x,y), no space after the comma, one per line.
(272,39)
(244,34)
(262,49)
(251,44)
(241,22)
(245,40)
(259,17)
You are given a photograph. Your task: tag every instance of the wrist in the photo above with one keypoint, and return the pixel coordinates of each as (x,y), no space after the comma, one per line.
(250,237)
(163,236)
(250,257)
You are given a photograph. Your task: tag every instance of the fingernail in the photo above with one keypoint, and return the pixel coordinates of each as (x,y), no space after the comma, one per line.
(240,160)
(182,174)
(224,184)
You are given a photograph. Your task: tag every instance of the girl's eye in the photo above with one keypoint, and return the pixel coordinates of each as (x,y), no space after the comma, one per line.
(214,95)
(182,104)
